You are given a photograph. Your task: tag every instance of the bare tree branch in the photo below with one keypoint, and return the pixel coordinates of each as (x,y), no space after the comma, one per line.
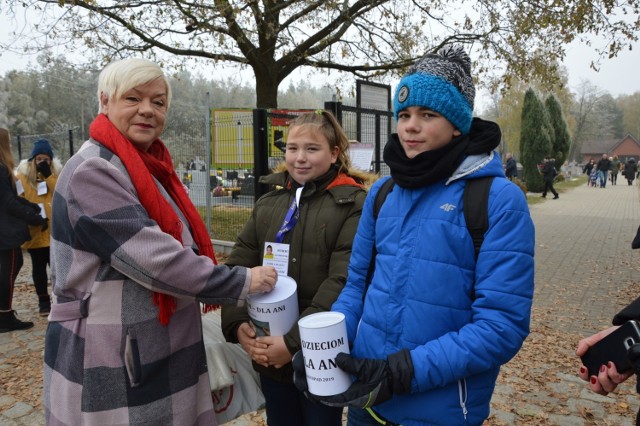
(371,39)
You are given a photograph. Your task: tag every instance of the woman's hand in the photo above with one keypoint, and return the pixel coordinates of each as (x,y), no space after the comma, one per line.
(263,279)
(44,168)
(247,339)
(276,351)
(608,377)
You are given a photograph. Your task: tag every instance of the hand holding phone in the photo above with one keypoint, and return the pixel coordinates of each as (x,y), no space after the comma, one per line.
(613,348)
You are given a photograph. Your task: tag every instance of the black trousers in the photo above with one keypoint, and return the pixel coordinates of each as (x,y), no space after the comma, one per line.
(39,262)
(10,263)
(548,186)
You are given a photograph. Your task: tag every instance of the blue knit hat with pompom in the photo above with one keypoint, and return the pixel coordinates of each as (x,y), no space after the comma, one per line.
(442,83)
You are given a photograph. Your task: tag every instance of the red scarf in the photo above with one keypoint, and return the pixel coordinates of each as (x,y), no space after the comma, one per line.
(156,162)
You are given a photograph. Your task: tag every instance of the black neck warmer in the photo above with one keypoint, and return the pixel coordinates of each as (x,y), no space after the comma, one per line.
(432,166)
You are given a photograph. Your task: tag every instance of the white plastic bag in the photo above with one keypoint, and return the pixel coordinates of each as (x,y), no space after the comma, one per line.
(235,386)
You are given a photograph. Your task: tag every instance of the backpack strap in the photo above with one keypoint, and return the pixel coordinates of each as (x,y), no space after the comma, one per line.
(475,206)
(381,196)
(476,215)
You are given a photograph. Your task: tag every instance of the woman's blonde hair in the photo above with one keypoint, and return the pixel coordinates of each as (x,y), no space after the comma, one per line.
(331,130)
(32,171)
(6,156)
(125,74)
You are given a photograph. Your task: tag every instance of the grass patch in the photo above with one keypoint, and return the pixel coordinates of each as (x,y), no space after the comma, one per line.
(573,183)
(534,199)
(226,221)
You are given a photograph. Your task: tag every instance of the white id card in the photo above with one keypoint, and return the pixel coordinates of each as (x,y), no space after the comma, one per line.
(276,255)
(19,187)
(42,188)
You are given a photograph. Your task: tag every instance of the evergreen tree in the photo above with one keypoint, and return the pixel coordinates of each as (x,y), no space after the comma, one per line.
(535,140)
(561,141)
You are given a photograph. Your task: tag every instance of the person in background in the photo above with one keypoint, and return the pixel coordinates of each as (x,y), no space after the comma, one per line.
(38,176)
(16,214)
(314,213)
(630,170)
(432,328)
(511,167)
(604,165)
(593,177)
(587,169)
(548,175)
(615,169)
(131,262)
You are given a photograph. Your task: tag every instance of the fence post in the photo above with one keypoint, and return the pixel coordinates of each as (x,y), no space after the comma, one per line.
(19,147)
(207,150)
(260,151)
(377,149)
(335,108)
(70,143)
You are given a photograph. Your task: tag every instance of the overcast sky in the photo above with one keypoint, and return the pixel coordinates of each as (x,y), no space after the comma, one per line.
(617,76)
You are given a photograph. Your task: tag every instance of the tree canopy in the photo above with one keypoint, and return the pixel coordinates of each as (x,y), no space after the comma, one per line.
(371,39)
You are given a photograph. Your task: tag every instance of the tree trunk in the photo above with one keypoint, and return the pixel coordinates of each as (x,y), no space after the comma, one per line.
(266,89)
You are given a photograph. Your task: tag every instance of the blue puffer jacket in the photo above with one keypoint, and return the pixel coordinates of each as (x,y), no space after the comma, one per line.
(420,296)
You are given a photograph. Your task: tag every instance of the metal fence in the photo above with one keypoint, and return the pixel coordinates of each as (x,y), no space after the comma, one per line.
(222,175)
(64,144)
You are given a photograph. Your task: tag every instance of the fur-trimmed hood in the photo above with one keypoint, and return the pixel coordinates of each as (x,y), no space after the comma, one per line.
(365,178)
(23,167)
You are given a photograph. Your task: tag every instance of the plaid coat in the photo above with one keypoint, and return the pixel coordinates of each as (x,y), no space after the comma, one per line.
(108,360)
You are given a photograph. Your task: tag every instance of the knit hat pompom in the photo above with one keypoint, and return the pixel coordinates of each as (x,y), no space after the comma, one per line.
(41,146)
(442,83)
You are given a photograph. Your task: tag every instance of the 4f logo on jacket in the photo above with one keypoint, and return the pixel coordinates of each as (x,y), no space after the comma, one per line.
(447,207)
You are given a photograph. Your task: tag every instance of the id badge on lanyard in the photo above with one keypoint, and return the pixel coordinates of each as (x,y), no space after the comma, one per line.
(276,253)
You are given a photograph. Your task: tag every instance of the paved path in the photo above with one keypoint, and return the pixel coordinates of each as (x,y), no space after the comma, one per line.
(583,264)
(586,272)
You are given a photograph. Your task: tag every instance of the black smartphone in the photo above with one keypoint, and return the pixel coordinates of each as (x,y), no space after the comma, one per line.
(613,348)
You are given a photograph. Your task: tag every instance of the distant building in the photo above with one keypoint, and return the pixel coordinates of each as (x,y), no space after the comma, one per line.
(624,148)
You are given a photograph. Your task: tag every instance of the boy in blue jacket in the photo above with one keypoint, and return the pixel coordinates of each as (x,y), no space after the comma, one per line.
(430,331)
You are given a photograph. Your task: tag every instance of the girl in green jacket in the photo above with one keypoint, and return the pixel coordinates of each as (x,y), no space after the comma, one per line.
(315,229)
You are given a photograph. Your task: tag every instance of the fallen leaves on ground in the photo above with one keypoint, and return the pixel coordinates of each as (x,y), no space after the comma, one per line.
(547,355)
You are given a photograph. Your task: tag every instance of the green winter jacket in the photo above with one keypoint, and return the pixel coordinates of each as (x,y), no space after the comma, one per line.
(320,247)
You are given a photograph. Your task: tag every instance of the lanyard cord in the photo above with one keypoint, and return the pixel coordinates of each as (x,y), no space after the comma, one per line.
(290,220)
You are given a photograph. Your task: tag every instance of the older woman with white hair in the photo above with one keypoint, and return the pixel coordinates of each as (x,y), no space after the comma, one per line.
(131,260)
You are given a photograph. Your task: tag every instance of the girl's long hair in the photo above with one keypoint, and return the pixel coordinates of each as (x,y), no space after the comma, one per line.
(6,157)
